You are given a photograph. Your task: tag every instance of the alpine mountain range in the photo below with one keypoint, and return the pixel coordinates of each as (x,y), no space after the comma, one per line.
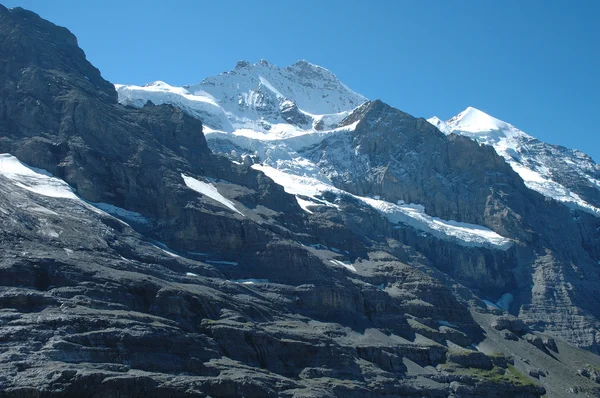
(268,232)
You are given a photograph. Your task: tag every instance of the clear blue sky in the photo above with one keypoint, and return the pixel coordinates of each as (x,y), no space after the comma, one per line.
(532,63)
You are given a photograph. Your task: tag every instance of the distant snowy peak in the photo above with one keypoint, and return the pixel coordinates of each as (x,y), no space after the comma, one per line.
(473,120)
(258,96)
(313,88)
(478,125)
(566,175)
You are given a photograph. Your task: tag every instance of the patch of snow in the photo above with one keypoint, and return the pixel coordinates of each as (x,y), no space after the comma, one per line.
(190,274)
(200,104)
(268,85)
(131,216)
(304,204)
(464,233)
(43,183)
(165,249)
(209,190)
(440,124)
(343,264)
(249,281)
(408,214)
(491,305)
(33,179)
(473,120)
(505,301)
(448,324)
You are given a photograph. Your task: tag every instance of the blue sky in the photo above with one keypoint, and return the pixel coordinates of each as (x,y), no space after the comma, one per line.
(532,63)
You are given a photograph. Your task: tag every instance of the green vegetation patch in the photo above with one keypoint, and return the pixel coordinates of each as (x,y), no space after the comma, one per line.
(511,374)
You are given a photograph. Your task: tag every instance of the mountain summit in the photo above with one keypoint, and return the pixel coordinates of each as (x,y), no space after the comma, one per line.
(568,176)
(254,95)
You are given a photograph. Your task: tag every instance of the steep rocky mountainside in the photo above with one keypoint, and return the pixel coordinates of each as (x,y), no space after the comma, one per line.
(445,186)
(567,175)
(138,261)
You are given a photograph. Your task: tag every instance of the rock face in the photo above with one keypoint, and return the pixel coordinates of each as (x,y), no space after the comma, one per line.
(137,262)
(401,158)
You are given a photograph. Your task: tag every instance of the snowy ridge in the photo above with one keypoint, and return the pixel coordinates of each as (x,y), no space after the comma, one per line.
(551,170)
(309,190)
(200,105)
(253,96)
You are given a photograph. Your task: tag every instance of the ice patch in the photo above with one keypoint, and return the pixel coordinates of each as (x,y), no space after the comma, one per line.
(33,179)
(448,324)
(409,214)
(43,183)
(190,274)
(199,104)
(165,249)
(249,281)
(463,233)
(131,216)
(304,204)
(505,301)
(491,305)
(208,190)
(343,264)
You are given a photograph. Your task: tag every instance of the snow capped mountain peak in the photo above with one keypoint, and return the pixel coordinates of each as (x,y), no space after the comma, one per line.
(254,95)
(261,85)
(303,67)
(473,120)
(559,173)
(478,125)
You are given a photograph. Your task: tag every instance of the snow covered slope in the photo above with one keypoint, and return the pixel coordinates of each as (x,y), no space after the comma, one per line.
(309,190)
(567,175)
(200,105)
(261,97)
(43,183)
